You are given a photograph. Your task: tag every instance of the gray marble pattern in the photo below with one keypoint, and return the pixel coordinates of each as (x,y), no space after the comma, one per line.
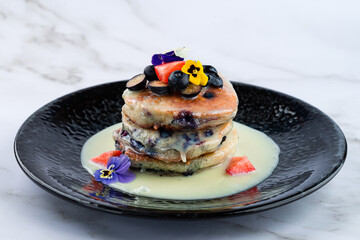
(308,49)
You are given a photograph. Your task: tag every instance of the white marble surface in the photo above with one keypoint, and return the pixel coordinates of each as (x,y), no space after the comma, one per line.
(308,49)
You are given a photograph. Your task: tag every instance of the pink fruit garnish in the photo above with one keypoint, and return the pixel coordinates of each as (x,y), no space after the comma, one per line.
(163,71)
(102,159)
(239,166)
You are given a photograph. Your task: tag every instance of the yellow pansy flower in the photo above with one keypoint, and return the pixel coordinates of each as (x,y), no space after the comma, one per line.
(196,72)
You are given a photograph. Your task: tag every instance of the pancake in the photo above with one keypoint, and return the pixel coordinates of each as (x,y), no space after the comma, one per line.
(148,163)
(148,110)
(171,146)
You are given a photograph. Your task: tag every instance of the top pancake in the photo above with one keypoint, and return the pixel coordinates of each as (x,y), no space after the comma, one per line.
(172,111)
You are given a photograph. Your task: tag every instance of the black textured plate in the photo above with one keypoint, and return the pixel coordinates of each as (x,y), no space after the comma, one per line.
(48,147)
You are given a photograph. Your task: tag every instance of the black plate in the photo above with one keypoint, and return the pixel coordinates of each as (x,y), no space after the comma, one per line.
(48,146)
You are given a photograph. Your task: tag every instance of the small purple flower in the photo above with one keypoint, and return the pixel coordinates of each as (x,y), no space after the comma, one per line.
(117,170)
(171,56)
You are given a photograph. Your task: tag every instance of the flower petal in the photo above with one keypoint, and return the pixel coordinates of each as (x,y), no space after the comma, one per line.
(181,52)
(171,58)
(97,174)
(125,164)
(115,161)
(194,80)
(169,53)
(198,64)
(123,168)
(111,179)
(185,69)
(156,59)
(126,177)
(114,179)
(187,65)
(204,78)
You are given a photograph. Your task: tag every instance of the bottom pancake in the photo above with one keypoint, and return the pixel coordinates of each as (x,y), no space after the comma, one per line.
(147,163)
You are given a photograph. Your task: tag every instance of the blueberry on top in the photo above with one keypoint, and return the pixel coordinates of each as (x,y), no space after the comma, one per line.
(208,95)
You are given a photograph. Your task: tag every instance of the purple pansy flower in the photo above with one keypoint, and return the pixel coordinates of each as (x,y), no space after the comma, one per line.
(171,56)
(117,170)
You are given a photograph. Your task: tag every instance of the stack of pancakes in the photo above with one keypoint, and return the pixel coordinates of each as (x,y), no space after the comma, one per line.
(173,134)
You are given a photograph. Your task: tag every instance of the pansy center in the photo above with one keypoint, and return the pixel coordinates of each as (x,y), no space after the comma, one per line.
(107,174)
(194,70)
(111,167)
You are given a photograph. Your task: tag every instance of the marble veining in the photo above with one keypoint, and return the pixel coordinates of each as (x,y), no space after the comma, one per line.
(306,49)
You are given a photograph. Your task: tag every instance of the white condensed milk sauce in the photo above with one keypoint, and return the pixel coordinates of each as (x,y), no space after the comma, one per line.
(261,150)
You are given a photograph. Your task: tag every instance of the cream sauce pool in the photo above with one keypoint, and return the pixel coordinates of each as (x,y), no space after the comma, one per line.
(261,150)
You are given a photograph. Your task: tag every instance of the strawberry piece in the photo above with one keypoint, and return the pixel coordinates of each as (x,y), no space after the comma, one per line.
(102,159)
(163,71)
(239,166)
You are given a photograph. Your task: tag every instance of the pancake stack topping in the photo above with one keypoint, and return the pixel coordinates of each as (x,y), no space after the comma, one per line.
(177,116)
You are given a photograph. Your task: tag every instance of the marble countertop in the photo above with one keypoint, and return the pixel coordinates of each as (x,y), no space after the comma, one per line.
(308,49)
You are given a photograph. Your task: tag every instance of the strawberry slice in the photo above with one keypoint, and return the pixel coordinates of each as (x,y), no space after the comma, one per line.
(163,71)
(102,159)
(239,166)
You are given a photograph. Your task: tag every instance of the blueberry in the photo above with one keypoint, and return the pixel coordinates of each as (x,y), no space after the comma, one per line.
(186,114)
(191,139)
(185,119)
(188,173)
(208,95)
(151,143)
(191,91)
(188,141)
(123,133)
(215,80)
(208,133)
(150,73)
(118,146)
(178,80)
(136,144)
(150,152)
(194,137)
(164,133)
(209,69)
(186,137)
(137,82)
(158,87)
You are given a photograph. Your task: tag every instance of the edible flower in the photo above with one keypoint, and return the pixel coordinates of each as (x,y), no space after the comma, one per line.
(117,170)
(172,56)
(181,52)
(196,72)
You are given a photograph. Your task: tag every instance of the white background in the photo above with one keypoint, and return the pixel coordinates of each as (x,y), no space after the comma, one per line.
(308,49)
